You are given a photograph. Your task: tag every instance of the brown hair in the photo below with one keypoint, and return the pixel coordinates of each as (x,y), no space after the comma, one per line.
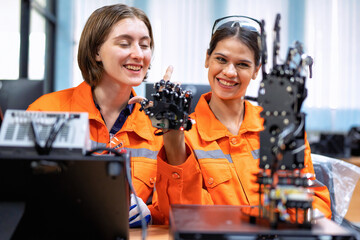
(95,32)
(249,38)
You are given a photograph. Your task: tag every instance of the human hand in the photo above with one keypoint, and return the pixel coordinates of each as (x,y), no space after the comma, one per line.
(140,99)
(168,73)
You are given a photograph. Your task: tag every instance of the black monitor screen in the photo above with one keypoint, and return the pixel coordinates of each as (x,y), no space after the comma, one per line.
(19,94)
(67,197)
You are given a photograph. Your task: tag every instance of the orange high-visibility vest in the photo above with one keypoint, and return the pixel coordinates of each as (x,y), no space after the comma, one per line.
(136,135)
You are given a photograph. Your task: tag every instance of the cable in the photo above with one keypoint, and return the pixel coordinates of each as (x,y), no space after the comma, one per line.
(34,129)
(300,127)
(299,149)
(58,125)
(54,131)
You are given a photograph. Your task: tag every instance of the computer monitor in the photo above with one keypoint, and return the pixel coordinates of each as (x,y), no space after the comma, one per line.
(66,197)
(196,89)
(19,94)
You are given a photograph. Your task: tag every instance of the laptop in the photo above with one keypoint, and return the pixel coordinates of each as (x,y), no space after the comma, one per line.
(229,222)
(67,197)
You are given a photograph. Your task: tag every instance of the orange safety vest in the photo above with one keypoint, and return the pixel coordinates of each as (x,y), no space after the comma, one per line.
(222,167)
(136,135)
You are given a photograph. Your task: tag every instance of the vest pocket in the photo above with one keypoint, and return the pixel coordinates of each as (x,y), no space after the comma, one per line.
(215,172)
(145,172)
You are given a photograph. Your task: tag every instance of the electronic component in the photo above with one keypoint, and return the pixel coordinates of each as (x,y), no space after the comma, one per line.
(43,133)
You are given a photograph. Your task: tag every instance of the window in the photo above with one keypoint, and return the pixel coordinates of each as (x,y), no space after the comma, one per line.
(9,45)
(27,30)
(28,49)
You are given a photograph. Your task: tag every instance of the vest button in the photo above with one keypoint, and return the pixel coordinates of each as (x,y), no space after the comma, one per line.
(152,180)
(233,141)
(210,181)
(175,175)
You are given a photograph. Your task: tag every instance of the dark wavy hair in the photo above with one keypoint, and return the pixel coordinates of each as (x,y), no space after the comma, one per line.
(228,30)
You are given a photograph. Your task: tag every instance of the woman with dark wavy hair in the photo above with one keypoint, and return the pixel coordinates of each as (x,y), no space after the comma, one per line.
(216,162)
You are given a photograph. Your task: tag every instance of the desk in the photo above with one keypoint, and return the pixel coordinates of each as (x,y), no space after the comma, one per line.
(233,222)
(161,232)
(353,213)
(154,232)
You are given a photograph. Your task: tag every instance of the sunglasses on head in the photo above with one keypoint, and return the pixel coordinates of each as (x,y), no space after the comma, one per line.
(248,23)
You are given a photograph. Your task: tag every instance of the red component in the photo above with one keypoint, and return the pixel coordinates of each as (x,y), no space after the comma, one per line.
(123,150)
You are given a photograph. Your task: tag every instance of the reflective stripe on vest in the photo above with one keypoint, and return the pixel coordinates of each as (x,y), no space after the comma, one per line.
(135,152)
(143,152)
(95,144)
(214,154)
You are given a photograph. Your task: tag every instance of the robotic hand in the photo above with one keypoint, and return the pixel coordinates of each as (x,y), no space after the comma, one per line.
(134,214)
(170,107)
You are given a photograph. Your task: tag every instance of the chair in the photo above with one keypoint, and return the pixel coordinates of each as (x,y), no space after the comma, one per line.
(340,177)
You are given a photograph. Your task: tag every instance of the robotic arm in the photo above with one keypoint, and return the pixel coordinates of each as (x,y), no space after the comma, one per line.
(281,95)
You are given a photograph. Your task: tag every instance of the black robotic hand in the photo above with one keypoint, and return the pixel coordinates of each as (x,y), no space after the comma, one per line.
(170,107)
